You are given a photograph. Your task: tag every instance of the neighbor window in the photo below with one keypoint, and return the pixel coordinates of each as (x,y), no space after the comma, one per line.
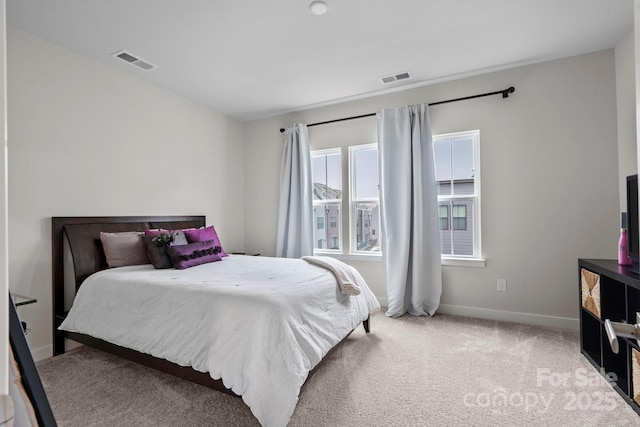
(459,217)
(326,175)
(364,198)
(443,216)
(458,183)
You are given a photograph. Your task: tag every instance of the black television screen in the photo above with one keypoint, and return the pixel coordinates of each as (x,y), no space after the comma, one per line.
(632,218)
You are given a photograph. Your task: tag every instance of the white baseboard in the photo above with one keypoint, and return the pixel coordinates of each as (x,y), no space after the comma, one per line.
(42,353)
(504,316)
(512,316)
(46,351)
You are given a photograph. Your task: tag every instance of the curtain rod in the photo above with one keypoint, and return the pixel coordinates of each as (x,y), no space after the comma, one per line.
(505,94)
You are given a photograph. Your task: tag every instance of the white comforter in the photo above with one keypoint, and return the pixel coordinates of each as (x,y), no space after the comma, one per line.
(261,324)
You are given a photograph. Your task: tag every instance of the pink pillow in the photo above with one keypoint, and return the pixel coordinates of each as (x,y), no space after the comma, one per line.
(126,248)
(203,235)
(185,256)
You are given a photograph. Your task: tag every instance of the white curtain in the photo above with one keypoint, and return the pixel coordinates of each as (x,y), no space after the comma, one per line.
(409,211)
(295,216)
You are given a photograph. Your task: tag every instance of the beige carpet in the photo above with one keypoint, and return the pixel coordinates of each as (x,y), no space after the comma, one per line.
(439,371)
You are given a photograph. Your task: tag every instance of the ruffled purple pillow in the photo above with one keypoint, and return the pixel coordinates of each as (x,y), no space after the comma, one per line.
(203,235)
(179,237)
(185,256)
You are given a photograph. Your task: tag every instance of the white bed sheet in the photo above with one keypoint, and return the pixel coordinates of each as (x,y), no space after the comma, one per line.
(259,323)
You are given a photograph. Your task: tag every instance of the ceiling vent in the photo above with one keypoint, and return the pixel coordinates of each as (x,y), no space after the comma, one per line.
(396,77)
(134,60)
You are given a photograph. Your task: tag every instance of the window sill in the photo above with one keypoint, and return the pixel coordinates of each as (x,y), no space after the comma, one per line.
(464,262)
(377,257)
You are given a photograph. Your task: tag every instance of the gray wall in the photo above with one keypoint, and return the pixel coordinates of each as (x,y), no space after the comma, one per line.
(4,239)
(636,69)
(85,139)
(626,114)
(550,192)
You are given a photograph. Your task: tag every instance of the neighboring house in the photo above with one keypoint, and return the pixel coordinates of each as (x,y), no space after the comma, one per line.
(367,223)
(456,219)
(327,221)
(326,217)
(327,230)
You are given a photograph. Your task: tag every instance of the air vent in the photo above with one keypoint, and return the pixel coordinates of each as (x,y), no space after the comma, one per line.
(134,60)
(396,77)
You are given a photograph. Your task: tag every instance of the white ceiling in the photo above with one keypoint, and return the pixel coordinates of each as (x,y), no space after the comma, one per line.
(251,59)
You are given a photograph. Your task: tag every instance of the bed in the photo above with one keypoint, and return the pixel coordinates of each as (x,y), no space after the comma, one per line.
(254,327)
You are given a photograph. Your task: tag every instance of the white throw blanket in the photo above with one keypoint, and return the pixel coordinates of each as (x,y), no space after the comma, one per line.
(348,277)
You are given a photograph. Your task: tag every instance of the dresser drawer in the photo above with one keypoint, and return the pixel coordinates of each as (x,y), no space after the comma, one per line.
(590,284)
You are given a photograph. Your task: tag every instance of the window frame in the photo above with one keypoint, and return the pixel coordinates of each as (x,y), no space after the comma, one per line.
(325,204)
(348,239)
(476,258)
(353,203)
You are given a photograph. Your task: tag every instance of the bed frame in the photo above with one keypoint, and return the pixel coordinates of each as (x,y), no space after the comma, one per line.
(83,237)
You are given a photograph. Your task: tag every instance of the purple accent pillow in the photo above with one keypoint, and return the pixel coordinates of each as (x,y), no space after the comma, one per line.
(185,256)
(202,235)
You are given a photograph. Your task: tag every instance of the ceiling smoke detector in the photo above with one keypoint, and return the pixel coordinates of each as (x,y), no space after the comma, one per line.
(134,60)
(396,77)
(318,8)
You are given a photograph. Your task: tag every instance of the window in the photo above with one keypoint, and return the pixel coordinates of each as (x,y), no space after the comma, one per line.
(326,175)
(458,183)
(459,217)
(443,215)
(364,198)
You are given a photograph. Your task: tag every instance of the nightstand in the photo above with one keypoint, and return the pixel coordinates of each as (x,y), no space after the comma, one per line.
(19,301)
(33,391)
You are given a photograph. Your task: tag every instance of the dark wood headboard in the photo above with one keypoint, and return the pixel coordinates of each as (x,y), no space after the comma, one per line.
(83,235)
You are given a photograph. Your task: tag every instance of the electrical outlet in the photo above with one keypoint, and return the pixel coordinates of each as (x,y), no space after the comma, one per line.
(502,285)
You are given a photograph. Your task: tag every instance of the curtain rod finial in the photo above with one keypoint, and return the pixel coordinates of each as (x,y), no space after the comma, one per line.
(506,93)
